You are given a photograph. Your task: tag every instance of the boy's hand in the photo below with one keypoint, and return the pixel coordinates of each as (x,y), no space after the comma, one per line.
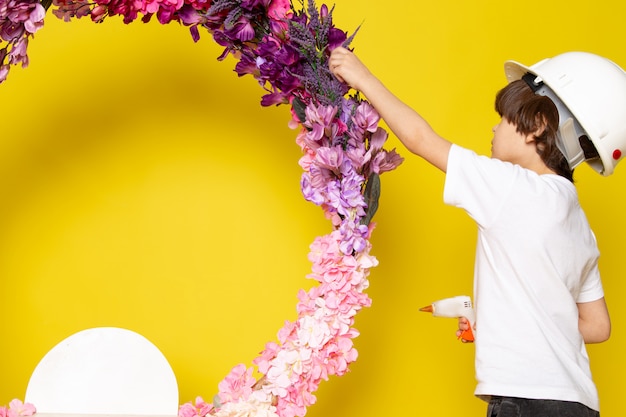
(348,68)
(464,325)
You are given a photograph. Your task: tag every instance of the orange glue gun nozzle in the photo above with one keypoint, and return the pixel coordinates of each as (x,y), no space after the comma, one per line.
(427,309)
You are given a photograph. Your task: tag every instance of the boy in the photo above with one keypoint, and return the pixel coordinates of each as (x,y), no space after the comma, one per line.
(536,270)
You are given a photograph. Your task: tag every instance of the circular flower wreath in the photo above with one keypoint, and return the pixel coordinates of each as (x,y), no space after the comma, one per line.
(286,49)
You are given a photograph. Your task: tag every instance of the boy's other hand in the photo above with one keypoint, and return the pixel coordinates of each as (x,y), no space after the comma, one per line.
(464,325)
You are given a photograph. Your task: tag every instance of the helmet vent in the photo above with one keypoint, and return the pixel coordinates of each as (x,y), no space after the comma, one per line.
(588,147)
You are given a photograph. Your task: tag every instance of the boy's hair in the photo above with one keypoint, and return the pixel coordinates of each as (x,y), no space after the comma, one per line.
(529,113)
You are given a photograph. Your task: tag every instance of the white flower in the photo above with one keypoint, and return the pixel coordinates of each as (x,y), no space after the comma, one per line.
(259,404)
(285,369)
(313,332)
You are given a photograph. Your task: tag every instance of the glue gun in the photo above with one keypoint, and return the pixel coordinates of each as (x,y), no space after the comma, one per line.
(454,307)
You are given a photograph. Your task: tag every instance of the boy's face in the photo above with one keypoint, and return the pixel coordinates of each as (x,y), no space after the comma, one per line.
(508,144)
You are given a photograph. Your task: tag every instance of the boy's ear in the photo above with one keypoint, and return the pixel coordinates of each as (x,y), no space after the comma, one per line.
(541,124)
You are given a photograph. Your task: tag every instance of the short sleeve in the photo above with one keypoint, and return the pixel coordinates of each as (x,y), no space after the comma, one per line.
(477,184)
(591,288)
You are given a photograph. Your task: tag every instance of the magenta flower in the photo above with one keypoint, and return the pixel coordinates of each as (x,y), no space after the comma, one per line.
(279,10)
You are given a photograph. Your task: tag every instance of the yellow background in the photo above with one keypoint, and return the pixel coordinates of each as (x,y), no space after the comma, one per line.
(143,186)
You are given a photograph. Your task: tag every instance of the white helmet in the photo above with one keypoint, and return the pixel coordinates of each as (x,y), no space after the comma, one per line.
(590,94)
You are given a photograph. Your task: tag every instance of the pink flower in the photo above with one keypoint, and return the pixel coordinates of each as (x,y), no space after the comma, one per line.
(388,161)
(366,117)
(287,368)
(343,354)
(200,409)
(269,353)
(308,301)
(330,158)
(325,249)
(4,71)
(318,120)
(17,408)
(237,384)
(18,52)
(35,19)
(287,332)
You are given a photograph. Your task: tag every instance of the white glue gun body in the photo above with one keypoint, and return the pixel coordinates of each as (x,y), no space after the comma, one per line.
(455,307)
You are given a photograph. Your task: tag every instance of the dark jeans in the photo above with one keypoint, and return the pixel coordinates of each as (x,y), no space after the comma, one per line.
(522,407)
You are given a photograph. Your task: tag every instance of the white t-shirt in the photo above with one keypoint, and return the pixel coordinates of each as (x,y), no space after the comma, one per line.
(536,257)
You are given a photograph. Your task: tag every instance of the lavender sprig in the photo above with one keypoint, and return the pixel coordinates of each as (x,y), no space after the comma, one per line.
(314,35)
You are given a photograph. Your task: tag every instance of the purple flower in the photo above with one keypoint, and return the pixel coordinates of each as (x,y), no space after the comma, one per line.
(351,185)
(354,237)
(358,156)
(10,30)
(241,30)
(334,197)
(248,64)
(309,192)
(336,38)
(274,98)
(344,194)
(346,109)
(222,39)
(252,4)
(190,17)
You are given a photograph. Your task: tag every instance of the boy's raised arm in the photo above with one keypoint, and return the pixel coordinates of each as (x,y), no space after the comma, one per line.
(412,130)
